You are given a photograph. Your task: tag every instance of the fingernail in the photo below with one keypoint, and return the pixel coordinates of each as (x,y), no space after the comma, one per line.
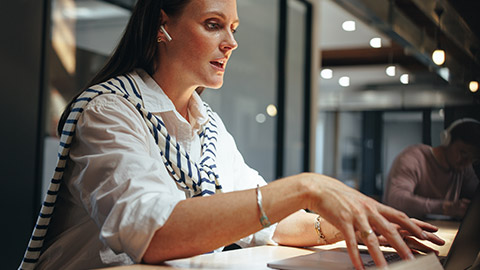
(424,236)
(411,257)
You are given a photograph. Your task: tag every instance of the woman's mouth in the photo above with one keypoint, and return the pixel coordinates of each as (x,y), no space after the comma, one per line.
(218,64)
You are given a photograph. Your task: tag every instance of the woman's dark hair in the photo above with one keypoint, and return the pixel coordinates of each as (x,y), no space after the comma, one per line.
(138,46)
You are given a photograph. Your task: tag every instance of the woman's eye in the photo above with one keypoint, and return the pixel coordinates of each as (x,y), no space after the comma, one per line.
(213,26)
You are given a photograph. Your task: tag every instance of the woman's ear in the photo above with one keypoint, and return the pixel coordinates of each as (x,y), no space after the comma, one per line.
(164,17)
(167,36)
(162,33)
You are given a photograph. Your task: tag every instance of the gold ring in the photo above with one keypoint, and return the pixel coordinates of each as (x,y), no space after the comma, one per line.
(365,234)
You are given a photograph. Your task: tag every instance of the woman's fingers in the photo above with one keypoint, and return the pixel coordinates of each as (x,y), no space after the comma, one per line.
(420,229)
(385,228)
(431,237)
(402,220)
(429,230)
(411,242)
(352,246)
(415,245)
(351,211)
(435,239)
(424,225)
(369,238)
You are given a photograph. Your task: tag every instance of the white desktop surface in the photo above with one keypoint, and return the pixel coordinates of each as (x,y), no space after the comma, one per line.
(256,258)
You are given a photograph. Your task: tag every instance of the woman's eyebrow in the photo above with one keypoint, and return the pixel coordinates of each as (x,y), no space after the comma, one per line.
(221,14)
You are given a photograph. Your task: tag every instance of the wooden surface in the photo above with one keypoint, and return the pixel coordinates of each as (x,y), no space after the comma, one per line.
(447,231)
(248,258)
(256,258)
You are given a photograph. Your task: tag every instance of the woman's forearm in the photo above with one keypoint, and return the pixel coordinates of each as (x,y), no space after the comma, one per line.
(200,225)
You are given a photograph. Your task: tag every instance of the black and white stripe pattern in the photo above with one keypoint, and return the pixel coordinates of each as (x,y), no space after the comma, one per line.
(196,179)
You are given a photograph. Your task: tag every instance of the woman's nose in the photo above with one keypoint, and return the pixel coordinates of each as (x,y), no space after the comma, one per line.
(229,43)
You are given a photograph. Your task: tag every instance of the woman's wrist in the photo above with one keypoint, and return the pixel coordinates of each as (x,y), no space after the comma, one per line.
(326,232)
(308,189)
(322,239)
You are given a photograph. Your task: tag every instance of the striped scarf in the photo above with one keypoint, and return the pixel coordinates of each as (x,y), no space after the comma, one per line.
(196,179)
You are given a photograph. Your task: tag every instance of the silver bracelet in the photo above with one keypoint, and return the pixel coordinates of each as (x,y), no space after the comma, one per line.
(318,229)
(263,219)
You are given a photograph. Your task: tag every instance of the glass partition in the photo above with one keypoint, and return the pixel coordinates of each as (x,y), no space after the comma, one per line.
(85,32)
(83,35)
(250,86)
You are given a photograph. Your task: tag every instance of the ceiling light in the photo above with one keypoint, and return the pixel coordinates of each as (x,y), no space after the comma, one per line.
(390,70)
(404,79)
(260,118)
(473,86)
(272,110)
(376,42)
(326,73)
(348,26)
(444,73)
(344,81)
(438,57)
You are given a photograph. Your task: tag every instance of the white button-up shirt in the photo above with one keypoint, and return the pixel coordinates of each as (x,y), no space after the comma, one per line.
(117,192)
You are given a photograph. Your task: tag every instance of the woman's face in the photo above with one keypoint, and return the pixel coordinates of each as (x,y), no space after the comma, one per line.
(202,42)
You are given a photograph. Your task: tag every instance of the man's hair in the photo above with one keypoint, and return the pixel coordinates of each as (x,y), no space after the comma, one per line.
(468,132)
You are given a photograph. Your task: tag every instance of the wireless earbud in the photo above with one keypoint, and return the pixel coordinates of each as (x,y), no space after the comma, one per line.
(169,38)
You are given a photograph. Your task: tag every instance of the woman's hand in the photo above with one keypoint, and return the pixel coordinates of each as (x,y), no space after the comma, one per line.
(350,212)
(410,240)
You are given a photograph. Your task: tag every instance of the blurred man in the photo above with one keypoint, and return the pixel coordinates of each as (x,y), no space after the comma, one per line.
(440,180)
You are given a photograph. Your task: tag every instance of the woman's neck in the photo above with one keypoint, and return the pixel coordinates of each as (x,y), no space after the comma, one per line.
(179,94)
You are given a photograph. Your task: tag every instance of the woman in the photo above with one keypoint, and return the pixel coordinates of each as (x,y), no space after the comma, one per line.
(131,194)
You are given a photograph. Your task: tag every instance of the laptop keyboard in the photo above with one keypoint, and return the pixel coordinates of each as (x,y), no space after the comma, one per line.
(389,257)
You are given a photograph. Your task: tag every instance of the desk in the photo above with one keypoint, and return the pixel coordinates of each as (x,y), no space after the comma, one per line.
(447,231)
(256,258)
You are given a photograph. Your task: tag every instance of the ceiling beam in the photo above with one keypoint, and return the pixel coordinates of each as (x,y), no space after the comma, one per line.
(370,56)
(404,28)
(451,25)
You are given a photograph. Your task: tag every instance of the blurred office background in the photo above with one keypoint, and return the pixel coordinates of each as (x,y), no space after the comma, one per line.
(338,87)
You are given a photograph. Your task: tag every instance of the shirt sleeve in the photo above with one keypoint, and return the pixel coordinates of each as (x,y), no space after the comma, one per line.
(249,179)
(402,181)
(120,179)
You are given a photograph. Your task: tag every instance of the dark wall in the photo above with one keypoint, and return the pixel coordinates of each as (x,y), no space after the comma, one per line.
(371,153)
(22,24)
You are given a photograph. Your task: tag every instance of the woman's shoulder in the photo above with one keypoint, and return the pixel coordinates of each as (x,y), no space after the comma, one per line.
(117,92)
(108,102)
(121,84)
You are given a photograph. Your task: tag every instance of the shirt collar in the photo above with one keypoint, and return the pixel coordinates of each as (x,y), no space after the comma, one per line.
(156,101)
(197,110)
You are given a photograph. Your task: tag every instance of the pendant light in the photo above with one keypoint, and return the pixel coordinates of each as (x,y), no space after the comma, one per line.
(438,55)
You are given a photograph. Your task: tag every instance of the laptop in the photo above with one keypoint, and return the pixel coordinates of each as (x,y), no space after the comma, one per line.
(463,253)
